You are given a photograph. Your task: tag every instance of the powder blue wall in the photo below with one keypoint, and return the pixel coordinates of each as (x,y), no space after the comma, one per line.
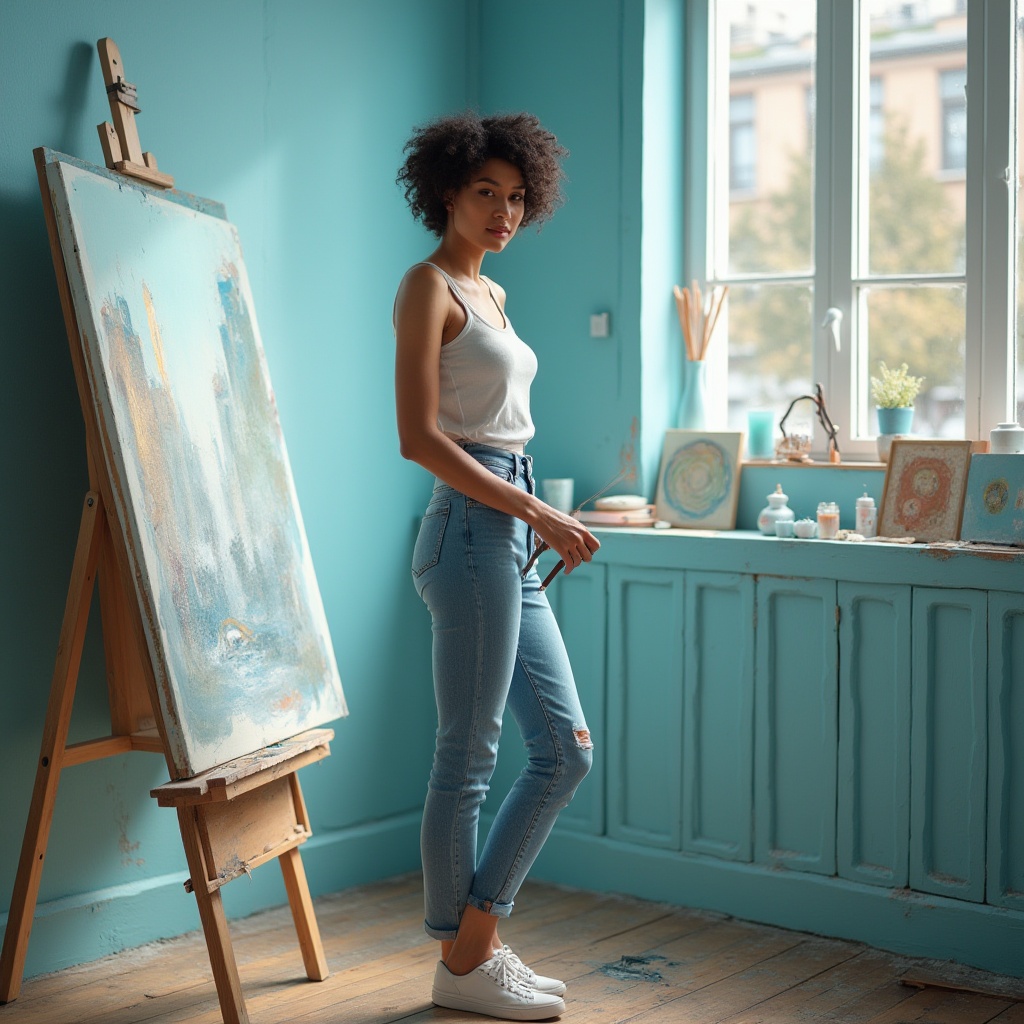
(293,114)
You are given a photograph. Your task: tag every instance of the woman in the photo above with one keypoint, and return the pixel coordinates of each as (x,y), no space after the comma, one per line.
(462,388)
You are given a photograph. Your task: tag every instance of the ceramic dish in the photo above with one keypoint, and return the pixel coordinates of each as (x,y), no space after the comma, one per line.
(620,503)
(805,528)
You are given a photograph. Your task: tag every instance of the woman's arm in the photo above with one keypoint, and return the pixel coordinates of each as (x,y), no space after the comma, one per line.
(422,311)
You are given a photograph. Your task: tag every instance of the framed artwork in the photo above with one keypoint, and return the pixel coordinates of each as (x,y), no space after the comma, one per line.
(235,626)
(994,506)
(925,483)
(699,480)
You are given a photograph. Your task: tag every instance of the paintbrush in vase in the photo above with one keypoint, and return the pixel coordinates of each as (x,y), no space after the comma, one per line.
(698,316)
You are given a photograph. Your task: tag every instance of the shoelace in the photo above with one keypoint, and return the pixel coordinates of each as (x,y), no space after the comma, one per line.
(527,973)
(505,969)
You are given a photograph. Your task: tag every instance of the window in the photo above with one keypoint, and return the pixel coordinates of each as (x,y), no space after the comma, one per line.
(1019,233)
(856,200)
(952,88)
(876,125)
(742,143)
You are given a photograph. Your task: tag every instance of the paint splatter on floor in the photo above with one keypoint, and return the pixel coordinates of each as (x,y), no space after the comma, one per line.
(633,968)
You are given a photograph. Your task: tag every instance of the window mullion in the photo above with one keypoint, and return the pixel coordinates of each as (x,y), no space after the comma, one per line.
(991,216)
(835,207)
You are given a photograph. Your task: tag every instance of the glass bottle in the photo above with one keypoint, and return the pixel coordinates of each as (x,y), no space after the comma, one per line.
(867,516)
(828,520)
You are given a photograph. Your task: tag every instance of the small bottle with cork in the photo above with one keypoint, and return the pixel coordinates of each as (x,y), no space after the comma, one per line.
(866,521)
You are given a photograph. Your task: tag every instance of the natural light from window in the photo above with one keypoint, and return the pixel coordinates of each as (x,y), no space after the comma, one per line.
(878,230)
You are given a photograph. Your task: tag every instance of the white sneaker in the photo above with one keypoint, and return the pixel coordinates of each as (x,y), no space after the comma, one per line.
(497,989)
(538,982)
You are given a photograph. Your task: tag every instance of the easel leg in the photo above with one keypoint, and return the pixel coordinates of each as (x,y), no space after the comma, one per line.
(215,924)
(55,735)
(301,902)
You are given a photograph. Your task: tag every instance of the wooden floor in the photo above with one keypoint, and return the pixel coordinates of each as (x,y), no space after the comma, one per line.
(624,960)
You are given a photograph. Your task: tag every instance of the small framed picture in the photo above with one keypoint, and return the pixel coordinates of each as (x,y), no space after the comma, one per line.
(699,481)
(994,508)
(925,483)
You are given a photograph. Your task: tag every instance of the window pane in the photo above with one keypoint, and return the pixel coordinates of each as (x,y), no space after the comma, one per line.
(924,328)
(769,353)
(954,120)
(916,192)
(1019,339)
(742,143)
(876,126)
(768,172)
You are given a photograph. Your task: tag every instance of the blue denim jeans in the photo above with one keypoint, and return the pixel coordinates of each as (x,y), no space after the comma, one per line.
(495,644)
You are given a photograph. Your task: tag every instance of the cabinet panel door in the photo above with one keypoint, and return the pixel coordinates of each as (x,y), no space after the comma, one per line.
(873,830)
(578,601)
(796,729)
(719,715)
(1006,750)
(948,742)
(645,700)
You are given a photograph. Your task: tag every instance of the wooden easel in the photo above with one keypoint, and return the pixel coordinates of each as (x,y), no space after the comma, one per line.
(233,817)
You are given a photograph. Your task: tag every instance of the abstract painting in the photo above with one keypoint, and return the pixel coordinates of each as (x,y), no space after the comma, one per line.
(994,507)
(923,496)
(204,495)
(699,481)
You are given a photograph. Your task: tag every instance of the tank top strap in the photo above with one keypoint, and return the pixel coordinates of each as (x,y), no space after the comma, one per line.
(463,301)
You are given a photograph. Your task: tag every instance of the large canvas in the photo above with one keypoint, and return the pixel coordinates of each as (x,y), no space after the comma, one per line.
(699,481)
(236,627)
(994,507)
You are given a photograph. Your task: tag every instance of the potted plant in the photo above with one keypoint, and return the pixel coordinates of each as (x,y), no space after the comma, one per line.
(894,392)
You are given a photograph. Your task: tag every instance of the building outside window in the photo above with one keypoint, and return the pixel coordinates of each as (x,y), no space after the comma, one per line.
(857,201)
(952,86)
(876,125)
(742,144)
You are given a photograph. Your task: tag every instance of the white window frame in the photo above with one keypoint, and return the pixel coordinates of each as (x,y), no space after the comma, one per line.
(991,199)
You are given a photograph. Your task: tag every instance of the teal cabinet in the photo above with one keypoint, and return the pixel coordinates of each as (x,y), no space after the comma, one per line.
(1005,876)
(645,705)
(949,759)
(796,735)
(873,792)
(825,736)
(718,722)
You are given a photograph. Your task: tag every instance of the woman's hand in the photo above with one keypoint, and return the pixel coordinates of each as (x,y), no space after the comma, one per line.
(567,537)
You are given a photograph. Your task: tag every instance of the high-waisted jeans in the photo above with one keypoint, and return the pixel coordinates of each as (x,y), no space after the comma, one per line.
(495,644)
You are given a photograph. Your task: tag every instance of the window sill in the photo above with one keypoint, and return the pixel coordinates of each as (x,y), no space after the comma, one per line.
(814,464)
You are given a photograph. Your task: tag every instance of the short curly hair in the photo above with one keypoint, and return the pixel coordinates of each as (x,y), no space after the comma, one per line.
(443,154)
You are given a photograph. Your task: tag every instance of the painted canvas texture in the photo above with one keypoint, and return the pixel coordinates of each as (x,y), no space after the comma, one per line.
(923,496)
(699,480)
(237,632)
(994,506)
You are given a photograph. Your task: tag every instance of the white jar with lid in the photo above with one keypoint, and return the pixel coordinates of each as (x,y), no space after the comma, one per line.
(1007,439)
(777,510)
(866,521)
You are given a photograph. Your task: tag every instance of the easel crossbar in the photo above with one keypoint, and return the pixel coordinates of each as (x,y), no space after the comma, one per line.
(251,771)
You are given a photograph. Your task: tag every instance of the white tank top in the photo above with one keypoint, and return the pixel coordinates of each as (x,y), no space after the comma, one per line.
(486,373)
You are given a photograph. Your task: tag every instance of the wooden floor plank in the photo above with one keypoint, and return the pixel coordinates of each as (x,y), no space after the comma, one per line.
(933,1004)
(653,974)
(1013,1014)
(626,961)
(853,991)
(741,990)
